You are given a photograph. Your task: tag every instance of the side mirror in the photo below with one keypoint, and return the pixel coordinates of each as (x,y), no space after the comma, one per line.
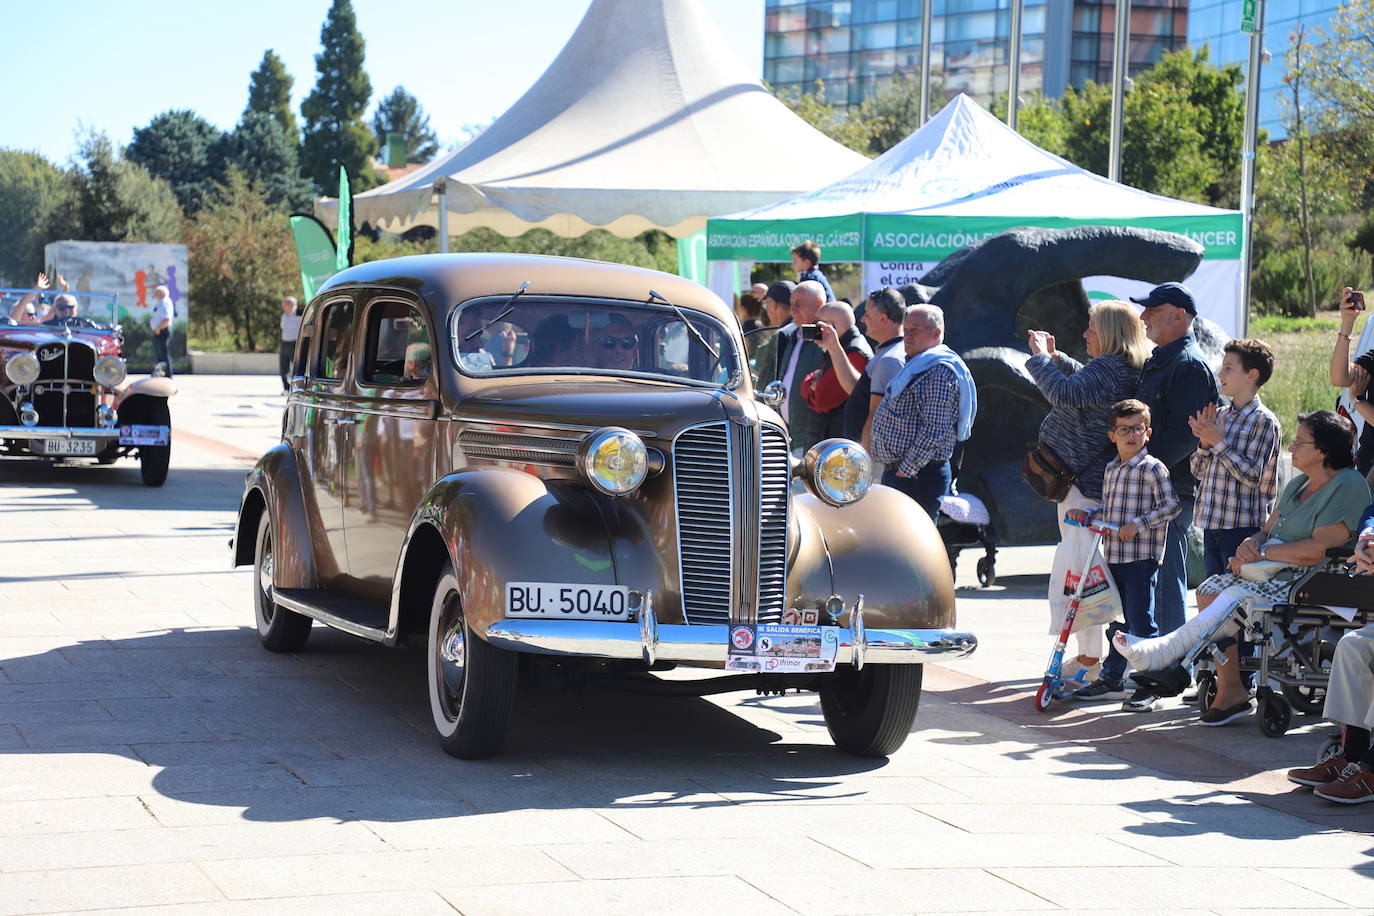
(773,394)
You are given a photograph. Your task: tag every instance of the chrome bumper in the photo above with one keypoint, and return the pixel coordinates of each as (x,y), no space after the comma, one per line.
(707,644)
(59,432)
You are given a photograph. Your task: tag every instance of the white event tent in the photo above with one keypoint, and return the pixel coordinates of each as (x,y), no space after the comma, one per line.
(962,177)
(645,120)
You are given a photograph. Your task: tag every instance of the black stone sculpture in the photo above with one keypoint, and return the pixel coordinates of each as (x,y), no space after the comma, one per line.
(991,294)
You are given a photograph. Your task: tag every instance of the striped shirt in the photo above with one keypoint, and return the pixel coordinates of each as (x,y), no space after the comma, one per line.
(1137,491)
(917,426)
(1237,480)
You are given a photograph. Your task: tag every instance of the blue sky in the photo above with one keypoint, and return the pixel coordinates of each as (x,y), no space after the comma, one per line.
(113,66)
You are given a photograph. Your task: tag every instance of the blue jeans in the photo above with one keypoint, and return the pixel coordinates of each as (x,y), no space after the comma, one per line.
(1135,582)
(162,349)
(1219,546)
(930,483)
(1171,592)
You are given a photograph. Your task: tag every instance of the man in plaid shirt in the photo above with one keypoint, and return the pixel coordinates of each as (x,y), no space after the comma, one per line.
(1138,498)
(1237,455)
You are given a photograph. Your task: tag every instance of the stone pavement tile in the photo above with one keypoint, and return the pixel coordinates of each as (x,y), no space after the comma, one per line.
(145,885)
(911,760)
(515,794)
(714,856)
(507,828)
(625,897)
(1239,817)
(573,762)
(196,708)
(405,903)
(127,688)
(981,850)
(232,688)
(1329,849)
(156,844)
(1058,789)
(190,809)
(26,818)
(770,819)
(110,732)
(893,790)
(1061,820)
(1164,888)
(905,891)
(288,752)
(228,777)
(248,724)
(357,873)
(196,637)
(52,712)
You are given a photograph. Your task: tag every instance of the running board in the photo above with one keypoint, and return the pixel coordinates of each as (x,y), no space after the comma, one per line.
(356,617)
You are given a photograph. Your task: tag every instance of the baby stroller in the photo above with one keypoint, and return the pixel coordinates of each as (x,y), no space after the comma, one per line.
(964,522)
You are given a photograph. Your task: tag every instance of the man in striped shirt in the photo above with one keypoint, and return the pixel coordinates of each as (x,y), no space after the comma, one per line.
(1138,498)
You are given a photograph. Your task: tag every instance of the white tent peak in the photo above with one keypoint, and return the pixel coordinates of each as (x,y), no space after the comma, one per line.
(644,120)
(965,162)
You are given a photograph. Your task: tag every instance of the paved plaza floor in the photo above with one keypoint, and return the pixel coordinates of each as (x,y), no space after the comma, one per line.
(154,756)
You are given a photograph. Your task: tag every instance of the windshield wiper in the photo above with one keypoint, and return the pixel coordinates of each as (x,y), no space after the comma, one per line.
(509,307)
(690,327)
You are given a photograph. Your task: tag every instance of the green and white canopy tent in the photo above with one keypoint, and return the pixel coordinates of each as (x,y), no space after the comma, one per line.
(963,177)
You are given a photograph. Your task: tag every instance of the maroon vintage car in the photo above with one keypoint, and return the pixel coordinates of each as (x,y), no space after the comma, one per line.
(561,467)
(66,395)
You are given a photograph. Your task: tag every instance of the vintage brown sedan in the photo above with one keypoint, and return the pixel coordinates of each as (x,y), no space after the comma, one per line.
(562,467)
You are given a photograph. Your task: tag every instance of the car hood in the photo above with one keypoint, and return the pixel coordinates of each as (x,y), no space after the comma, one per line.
(653,410)
(25,339)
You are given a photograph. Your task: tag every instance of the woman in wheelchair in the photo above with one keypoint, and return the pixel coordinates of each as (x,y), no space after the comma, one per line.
(1348,776)
(1319,509)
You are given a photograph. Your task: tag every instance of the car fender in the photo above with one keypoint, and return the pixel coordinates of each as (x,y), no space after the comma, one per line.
(274,484)
(886,548)
(498,526)
(153,386)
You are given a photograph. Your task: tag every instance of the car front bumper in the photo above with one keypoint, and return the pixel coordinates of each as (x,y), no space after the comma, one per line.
(59,432)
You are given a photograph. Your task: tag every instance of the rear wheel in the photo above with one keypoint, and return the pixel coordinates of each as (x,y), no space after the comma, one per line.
(870,712)
(471,682)
(279,629)
(153,460)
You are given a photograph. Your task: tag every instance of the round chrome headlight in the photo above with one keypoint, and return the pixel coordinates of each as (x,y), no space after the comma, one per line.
(109,371)
(613,460)
(838,471)
(22,368)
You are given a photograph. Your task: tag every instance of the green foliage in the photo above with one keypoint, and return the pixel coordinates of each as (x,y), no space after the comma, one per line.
(110,199)
(652,249)
(874,126)
(30,186)
(269,92)
(260,149)
(334,133)
(400,112)
(1302,347)
(176,146)
(240,252)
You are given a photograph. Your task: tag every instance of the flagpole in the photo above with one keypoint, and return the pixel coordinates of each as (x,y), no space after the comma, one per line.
(927,10)
(1247,167)
(1014,64)
(1122,39)
(441,186)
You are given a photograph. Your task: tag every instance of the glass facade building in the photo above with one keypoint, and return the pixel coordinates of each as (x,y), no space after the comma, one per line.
(855,46)
(1216,24)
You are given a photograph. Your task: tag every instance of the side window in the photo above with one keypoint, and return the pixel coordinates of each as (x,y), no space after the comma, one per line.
(398,346)
(303,342)
(335,327)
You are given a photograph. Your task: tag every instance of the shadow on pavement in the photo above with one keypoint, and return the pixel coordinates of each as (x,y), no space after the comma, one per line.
(118,486)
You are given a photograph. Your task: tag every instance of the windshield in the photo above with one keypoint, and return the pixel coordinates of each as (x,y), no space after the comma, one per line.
(50,308)
(589,336)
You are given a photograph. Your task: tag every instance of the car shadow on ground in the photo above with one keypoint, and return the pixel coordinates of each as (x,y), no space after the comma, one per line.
(117,486)
(206,719)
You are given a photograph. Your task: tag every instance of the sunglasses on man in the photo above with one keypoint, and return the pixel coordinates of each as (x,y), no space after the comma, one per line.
(628,342)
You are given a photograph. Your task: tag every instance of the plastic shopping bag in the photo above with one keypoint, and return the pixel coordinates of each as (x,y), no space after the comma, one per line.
(1101,603)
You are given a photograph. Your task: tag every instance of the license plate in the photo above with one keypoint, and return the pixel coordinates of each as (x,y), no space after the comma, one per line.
(567,601)
(69,446)
(144,435)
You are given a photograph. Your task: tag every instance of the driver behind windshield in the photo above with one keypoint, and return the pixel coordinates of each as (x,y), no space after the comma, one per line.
(28,310)
(617,345)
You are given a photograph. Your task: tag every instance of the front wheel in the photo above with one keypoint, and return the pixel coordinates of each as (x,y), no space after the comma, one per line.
(471,682)
(153,461)
(279,629)
(869,712)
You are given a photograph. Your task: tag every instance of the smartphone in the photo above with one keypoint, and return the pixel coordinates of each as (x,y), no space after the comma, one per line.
(810,332)
(1357,300)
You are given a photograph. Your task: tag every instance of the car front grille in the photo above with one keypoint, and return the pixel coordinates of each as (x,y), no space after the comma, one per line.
(732,499)
(63,394)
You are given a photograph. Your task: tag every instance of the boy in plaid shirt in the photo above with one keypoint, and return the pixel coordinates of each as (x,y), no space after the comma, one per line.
(1138,498)
(1237,455)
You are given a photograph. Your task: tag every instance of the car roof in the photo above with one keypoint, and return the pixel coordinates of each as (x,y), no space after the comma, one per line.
(453,278)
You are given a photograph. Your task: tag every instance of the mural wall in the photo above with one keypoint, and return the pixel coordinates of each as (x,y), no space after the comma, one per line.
(132,270)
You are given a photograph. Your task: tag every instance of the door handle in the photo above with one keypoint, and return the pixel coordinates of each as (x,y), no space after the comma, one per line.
(343,421)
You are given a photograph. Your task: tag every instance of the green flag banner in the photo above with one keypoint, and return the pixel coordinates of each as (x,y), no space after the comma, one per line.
(840,238)
(343,254)
(691,257)
(314,251)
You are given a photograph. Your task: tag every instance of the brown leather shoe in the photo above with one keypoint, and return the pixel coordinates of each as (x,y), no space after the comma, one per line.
(1356,785)
(1319,775)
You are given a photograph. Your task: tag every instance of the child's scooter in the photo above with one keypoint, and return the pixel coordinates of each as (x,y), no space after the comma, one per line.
(1054,678)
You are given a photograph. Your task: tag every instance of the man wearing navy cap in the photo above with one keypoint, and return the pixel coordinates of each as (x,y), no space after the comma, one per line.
(1176,382)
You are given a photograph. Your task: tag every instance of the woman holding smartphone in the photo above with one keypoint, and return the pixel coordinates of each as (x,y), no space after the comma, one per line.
(1355,375)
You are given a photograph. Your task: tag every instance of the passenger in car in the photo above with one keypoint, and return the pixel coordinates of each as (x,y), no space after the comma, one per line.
(617,346)
(556,343)
(471,353)
(417,362)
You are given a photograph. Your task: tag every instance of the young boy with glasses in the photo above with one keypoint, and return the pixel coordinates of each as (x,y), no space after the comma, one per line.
(1138,498)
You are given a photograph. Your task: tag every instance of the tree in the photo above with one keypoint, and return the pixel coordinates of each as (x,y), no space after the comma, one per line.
(872,127)
(110,199)
(240,251)
(30,186)
(269,92)
(401,113)
(334,132)
(260,149)
(176,146)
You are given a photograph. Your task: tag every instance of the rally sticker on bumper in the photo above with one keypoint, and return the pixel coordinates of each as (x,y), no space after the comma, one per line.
(145,435)
(778,648)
